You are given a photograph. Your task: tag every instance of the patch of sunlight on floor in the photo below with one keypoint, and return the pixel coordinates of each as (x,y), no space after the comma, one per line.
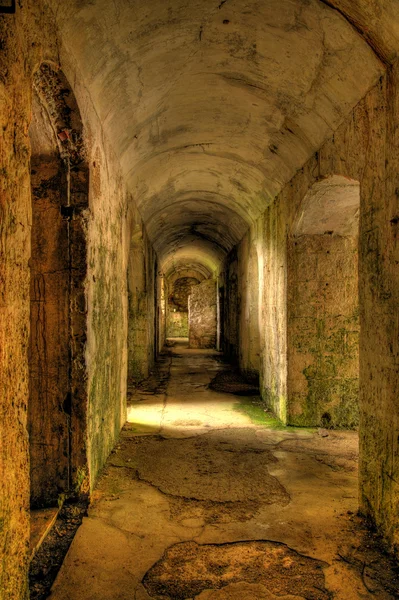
(188,407)
(184,415)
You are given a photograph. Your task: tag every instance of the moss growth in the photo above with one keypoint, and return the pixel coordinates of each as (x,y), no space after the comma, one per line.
(332,392)
(257,411)
(275,402)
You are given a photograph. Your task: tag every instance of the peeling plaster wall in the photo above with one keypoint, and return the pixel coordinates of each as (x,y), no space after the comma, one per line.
(58,375)
(323,331)
(273,375)
(254,307)
(379,301)
(202,315)
(101,304)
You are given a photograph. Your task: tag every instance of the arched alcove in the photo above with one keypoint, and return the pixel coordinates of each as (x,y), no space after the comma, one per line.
(57,372)
(323,307)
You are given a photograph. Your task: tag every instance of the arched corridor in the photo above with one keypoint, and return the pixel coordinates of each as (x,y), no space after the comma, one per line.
(196,198)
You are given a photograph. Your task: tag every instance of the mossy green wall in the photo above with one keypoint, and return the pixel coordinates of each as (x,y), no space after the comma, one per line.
(106,291)
(323,331)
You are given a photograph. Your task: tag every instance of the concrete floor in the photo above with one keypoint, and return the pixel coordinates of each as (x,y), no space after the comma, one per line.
(198,502)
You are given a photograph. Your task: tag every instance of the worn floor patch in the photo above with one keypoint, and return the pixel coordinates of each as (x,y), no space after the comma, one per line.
(233,382)
(188,569)
(207,512)
(217,468)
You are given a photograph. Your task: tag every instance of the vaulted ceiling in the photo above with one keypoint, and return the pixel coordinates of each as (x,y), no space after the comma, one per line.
(212,105)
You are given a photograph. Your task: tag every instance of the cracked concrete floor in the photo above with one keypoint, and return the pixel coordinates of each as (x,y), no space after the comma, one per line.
(197,502)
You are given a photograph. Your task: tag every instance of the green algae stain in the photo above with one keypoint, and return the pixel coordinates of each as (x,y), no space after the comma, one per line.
(259,414)
(332,397)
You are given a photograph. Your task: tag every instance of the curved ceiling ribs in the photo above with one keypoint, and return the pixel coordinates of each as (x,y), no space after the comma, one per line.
(212,107)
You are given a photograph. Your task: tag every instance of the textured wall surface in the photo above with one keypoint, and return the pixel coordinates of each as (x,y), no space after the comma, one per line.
(364,148)
(16,65)
(106,298)
(229,156)
(240,306)
(202,315)
(49,369)
(323,331)
(248,286)
(59,269)
(230,307)
(177,324)
(141,284)
(177,306)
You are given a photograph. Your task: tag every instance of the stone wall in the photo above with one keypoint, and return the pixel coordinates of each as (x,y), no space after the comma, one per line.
(240,331)
(101,304)
(49,369)
(364,148)
(161,310)
(177,324)
(177,306)
(230,307)
(248,290)
(20,52)
(57,407)
(323,331)
(99,230)
(141,283)
(202,315)
(106,289)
